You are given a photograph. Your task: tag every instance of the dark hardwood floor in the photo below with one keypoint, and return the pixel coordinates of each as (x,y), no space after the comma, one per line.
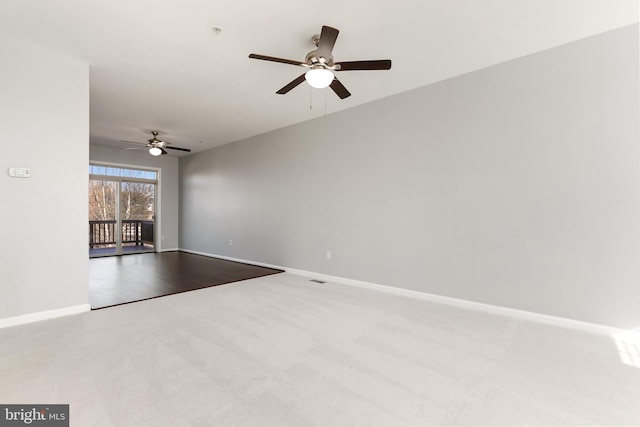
(128,278)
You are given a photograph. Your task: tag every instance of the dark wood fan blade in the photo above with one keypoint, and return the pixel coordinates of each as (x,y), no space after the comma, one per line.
(382,64)
(134,142)
(339,89)
(163,150)
(274,59)
(291,85)
(177,148)
(328,38)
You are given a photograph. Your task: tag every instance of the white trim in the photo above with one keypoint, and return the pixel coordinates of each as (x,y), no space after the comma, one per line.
(171,250)
(157,214)
(44,315)
(244,261)
(470,305)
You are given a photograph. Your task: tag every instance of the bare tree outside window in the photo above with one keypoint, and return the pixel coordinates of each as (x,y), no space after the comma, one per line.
(136,200)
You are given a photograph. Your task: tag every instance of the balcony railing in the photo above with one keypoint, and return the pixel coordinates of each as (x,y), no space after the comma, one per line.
(136,231)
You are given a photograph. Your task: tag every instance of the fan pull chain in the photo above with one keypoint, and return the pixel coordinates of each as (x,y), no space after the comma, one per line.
(325,103)
(310,98)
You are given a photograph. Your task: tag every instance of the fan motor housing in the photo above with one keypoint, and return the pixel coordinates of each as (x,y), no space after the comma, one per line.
(312,59)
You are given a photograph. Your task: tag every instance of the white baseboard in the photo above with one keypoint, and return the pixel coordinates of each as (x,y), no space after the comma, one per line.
(169,250)
(470,305)
(44,315)
(244,261)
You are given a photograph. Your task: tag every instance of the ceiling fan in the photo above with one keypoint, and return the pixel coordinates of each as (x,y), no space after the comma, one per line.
(321,65)
(156,146)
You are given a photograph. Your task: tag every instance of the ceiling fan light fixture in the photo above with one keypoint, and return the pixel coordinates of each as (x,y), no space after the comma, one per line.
(155,151)
(319,77)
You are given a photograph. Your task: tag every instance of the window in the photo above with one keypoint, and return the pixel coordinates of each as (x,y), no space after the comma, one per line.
(122,210)
(122,172)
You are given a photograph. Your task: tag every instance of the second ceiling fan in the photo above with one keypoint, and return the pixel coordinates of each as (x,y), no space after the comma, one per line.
(321,65)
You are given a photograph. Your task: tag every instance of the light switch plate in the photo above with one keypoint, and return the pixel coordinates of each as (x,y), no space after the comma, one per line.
(20,172)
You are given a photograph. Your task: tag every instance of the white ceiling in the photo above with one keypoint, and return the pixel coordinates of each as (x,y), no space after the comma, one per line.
(157,64)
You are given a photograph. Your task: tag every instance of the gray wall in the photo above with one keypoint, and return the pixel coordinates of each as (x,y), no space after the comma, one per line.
(167,213)
(516,185)
(44,125)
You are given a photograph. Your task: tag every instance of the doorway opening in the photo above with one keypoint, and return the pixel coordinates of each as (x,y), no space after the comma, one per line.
(122,210)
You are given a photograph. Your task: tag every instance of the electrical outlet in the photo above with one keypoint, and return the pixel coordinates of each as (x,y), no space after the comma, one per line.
(230,242)
(327,255)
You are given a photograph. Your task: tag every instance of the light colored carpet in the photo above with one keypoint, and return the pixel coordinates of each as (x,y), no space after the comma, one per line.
(283,351)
